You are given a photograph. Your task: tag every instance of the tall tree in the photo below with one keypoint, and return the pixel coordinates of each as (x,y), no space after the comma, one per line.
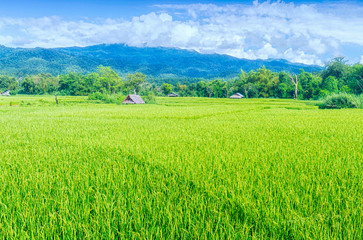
(8,83)
(166,88)
(43,83)
(337,68)
(134,81)
(109,81)
(355,78)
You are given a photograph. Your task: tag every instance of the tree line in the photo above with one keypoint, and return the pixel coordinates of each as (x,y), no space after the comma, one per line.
(337,76)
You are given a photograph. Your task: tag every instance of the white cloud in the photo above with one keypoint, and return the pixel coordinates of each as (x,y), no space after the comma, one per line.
(299,33)
(301,57)
(361,59)
(267,51)
(183,33)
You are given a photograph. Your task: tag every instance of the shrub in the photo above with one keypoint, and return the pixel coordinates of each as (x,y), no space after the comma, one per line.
(114,98)
(341,100)
(96,96)
(361,101)
(149,99)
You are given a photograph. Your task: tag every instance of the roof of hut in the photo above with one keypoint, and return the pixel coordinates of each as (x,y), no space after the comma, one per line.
(237,95)
(133,99)
(173,94)
(6,93)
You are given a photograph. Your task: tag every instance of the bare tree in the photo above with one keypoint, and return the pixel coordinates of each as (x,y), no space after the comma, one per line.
(295,82)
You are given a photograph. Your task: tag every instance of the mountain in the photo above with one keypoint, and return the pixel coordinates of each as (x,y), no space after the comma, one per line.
(162,63)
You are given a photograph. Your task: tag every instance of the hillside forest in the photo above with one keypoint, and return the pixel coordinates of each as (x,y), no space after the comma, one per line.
(336,76)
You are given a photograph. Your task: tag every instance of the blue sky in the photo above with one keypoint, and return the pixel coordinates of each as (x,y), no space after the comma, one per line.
(105,8)
(310,32)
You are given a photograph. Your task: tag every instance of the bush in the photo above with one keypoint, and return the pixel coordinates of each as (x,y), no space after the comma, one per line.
(114,98)
(96,96)
(149,99)
(341,100)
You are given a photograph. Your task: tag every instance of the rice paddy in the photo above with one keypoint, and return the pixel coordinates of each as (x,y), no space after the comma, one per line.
(183,168)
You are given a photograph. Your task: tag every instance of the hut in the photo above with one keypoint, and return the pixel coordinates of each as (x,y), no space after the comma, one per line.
(133,99)
(237,96)
(6,93)
(173,94)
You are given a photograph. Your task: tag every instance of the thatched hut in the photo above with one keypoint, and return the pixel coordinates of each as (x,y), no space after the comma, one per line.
(133,99)
(237,96)
(6,93)
(173,94)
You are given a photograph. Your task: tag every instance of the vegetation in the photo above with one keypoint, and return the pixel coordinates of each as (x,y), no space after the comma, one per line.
(336,77)
(178,168)
(184,168)
(161,64)
(8,83)
(342,100)
(106,98)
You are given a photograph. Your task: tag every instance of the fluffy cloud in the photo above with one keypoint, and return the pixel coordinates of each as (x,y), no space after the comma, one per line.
(299,33)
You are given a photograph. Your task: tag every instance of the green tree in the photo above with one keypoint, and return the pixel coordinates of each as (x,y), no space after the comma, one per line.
(135,81)
(108,80)
(166,88)
(43,83)
(337,68)
(201,89)
(184,90)
(73,84)
(250,90)
(28,85)
(8,83)
(330,84)
(217,88)
(265,81)
(355,78)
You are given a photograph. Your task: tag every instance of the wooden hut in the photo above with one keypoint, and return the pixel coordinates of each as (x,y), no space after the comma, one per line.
(133,99)
(237,96)
(173,94)
(6,93)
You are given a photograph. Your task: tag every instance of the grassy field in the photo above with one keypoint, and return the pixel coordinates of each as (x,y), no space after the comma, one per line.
(183,168)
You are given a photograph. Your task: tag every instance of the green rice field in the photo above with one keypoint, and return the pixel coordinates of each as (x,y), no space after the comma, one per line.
(183,168)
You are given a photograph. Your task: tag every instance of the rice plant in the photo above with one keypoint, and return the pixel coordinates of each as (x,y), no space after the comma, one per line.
(183,168)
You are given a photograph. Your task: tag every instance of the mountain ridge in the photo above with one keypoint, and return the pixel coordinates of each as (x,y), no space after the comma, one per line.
(156,62)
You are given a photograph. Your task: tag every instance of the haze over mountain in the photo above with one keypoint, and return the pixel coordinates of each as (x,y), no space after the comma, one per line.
(154,62)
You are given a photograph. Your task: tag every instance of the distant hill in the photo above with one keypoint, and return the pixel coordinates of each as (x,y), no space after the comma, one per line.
(163,63)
